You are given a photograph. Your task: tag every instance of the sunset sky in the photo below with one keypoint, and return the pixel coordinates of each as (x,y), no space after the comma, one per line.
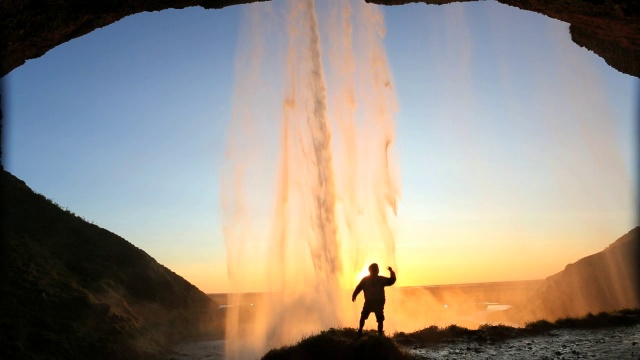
(515,146)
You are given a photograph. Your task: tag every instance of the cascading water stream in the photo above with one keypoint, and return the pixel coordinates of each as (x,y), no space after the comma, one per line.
(311,185)
(336,186)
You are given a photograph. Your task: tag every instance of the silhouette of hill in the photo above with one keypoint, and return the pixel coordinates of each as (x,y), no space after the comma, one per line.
(72,290)
(606,281)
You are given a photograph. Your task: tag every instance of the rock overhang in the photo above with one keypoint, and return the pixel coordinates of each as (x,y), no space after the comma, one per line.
(609,28)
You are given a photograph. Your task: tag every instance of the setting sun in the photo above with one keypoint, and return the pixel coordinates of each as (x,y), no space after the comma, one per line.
(363,273)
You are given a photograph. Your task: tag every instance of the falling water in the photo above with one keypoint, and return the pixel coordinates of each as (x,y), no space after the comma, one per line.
(301,228)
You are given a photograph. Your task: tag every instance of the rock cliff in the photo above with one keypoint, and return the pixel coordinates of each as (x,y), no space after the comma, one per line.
(610,28)
(606,281)
(72,290)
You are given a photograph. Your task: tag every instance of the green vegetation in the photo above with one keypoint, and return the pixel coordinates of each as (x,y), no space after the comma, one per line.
(344,344)
(493,333)
(341,344)
(625,317)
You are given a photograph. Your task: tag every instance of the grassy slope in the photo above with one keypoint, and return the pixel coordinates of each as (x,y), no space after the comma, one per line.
(343,344)
(340,344)
(72,289)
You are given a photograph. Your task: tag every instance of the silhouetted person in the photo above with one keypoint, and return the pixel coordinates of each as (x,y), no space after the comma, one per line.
(373,287)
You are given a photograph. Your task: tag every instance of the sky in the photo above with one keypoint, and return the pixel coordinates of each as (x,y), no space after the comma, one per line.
(515,146)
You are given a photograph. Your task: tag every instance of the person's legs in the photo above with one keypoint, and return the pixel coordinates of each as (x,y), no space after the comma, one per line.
(380,319)
(363,316)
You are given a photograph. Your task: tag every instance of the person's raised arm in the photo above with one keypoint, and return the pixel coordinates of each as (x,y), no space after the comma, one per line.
(392,278)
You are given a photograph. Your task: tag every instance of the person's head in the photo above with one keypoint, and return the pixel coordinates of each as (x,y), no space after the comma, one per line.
(373,269)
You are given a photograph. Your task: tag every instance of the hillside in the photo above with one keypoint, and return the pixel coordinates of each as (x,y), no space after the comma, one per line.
(73,290)
(606,281)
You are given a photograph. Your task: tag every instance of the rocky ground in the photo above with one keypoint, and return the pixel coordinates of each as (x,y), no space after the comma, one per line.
(607,343)
(619,343)
(200,350)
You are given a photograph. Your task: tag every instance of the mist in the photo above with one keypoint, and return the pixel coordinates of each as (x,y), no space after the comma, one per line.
(312,183)
(336,182)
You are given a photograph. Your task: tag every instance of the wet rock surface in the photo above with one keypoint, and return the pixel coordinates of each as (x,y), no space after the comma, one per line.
(198,349)
(620,343)
(608,343)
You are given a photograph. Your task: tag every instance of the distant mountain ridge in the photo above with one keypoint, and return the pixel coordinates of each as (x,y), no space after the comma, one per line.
(73,290)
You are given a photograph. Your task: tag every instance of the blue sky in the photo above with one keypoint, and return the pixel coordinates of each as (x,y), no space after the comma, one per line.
(509,136)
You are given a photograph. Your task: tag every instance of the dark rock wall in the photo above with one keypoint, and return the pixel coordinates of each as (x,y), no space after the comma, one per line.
(30,28)
(72,290)
(609,28)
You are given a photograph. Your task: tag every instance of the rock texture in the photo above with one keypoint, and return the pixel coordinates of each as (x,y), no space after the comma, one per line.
(609,28)
(30,28)
(72,290)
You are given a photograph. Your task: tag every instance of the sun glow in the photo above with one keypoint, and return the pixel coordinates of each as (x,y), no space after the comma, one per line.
(364,272)
(330,175)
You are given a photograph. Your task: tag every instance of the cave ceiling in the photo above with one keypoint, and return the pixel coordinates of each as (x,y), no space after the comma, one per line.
(30,28)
